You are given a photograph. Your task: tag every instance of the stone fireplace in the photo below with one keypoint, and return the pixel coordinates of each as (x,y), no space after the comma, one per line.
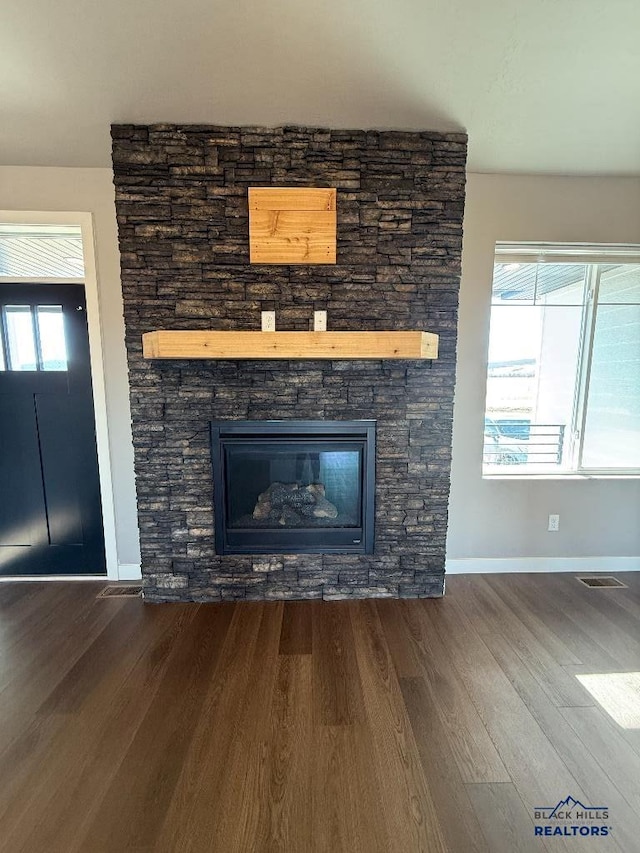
(181,202)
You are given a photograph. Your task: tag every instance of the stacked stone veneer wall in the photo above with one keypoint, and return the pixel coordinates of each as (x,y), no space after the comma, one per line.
(181,200)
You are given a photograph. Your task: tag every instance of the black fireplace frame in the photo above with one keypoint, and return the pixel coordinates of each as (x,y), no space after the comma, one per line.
(325,540)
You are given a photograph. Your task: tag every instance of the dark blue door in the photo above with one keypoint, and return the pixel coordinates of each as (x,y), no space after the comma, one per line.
(50,510)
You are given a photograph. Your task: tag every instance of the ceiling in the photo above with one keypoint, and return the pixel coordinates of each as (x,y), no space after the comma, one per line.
(541,86)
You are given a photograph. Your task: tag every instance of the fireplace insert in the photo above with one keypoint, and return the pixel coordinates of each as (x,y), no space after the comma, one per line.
(293,486)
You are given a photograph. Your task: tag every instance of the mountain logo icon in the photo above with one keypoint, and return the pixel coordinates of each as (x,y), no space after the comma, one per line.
(568,804)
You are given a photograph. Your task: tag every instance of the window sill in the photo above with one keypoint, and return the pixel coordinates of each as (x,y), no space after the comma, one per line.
(567,476)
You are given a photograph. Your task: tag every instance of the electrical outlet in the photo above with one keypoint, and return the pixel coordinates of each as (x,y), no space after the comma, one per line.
(268,321)
(319,321)
(554,523)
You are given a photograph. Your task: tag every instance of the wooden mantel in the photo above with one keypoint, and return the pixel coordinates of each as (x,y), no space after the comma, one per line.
(290,345)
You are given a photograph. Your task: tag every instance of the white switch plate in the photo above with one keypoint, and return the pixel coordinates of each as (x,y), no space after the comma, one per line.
(319,321)
(268,321)
(554,523)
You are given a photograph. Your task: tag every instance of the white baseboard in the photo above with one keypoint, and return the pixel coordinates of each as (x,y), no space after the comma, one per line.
(125,572)
(491,565)
(47,578)
(129,572)
(487,565)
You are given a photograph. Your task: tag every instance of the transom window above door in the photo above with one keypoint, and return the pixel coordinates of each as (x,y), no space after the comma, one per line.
(37,252)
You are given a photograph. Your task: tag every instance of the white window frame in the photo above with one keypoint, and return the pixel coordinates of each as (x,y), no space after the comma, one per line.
(590,255)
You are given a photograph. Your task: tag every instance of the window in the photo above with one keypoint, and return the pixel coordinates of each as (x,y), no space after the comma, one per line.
(563,384)
(32,339)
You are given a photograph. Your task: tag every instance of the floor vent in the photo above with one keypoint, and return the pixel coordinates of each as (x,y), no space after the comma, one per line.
(120,591)
(602,582)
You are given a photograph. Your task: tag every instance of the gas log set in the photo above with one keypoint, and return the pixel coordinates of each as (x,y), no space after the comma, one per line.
(292,504)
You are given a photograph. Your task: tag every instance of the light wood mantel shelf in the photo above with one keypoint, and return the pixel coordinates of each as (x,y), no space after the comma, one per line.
(291,345)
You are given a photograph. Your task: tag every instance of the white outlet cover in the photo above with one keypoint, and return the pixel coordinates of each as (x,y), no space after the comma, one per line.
(319,321)
(268,321)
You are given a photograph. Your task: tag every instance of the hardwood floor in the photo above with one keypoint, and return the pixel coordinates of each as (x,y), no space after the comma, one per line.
(360,727)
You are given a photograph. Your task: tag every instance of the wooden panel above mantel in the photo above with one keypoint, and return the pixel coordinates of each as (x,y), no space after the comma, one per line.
(292,225)
(290,345)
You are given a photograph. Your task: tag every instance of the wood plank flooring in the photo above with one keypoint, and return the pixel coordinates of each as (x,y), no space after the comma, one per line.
(357,727)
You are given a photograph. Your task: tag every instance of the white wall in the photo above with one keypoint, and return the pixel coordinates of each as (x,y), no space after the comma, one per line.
(91,190)
(506,518)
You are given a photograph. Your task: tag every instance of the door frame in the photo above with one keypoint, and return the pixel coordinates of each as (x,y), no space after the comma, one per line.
(84,220)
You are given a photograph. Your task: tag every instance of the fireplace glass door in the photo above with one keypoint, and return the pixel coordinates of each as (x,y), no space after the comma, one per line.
(293,486)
